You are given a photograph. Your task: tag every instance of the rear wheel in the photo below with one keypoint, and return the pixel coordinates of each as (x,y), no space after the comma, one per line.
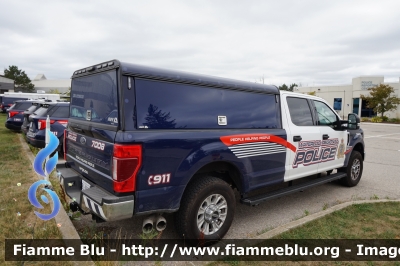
(206,211)
(353,170)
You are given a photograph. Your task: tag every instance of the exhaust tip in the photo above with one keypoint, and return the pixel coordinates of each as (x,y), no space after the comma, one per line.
(147,228)
(161,226)
(161,223)
(148,224)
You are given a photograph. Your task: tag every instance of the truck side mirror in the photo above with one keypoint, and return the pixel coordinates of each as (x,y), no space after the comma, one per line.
(353,121)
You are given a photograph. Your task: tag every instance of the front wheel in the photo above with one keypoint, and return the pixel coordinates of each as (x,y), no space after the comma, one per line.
(206,211)
(353,170)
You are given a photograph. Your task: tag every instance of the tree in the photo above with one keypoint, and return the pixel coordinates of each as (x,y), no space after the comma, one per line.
(21,80)
(292,86)
(381,100)
(54,91)
(284,87)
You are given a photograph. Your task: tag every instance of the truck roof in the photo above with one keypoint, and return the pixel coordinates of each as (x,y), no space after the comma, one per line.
(304,95)
(154,73)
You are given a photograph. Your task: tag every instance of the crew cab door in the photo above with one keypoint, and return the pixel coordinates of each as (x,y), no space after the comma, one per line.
(302,132)
(334,139)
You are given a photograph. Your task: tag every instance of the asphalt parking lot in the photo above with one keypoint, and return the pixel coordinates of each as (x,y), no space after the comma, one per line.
(380,180)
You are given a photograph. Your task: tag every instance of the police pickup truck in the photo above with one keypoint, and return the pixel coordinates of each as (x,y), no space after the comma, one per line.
(146,141)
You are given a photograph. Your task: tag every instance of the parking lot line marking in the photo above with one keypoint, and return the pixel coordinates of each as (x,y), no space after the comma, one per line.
(378,136)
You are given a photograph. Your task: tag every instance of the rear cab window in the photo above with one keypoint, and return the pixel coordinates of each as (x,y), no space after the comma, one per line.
(94,98)
(300,111)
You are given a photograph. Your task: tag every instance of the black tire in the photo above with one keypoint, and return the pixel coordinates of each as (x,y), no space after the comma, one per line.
(353,170)
(215,219)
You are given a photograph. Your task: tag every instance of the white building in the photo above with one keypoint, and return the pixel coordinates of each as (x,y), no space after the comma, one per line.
(6,84)
(44,84)
(346,98)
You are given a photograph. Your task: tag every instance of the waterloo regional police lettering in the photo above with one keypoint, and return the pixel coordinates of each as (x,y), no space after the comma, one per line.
(315,151)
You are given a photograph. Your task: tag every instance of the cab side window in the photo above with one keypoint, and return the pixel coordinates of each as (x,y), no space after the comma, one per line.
(326,117)
(300,112)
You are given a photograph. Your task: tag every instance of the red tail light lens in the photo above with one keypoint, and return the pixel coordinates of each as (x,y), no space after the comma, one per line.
(42,123)
(126,163)
(12,113)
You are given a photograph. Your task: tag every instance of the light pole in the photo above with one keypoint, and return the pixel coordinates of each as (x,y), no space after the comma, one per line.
(344,101)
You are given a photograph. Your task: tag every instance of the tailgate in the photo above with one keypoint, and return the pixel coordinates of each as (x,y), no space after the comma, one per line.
(90,157)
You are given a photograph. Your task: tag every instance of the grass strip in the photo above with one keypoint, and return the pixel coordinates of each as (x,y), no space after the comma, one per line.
(18,220)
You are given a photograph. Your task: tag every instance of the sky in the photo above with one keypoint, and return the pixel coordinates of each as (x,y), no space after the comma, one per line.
(310,43)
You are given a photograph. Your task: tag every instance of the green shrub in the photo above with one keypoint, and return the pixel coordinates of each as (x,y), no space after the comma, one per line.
(385,118)
(376,119)
(365,119)
(394,120)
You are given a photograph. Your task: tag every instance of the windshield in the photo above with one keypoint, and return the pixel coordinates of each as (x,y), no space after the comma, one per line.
(94,98)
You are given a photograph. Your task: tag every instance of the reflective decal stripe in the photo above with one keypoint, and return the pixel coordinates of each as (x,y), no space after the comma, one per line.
(94,207)
(256,138)
(256,149)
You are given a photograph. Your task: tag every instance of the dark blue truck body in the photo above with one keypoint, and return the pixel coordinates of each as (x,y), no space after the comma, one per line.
(142,140)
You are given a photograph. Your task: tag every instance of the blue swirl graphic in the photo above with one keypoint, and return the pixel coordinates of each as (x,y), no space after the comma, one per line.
(41,156)
(50,165)
(32,198)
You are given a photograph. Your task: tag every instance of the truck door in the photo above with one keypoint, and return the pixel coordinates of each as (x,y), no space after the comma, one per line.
(303,133)
(334,139)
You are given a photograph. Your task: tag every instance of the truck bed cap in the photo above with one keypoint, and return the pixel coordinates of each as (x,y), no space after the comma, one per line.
(147,72)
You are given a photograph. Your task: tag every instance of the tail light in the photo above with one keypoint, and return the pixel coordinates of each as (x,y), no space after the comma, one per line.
(12,113)
(63,122)
(126,163)
(65,145)
(42,124)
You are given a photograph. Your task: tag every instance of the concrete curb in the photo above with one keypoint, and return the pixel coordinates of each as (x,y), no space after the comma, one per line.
(67,229)
(309,218)
(380,124)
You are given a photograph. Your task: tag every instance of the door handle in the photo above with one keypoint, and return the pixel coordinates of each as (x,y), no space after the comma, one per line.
(297,138)
(325,136)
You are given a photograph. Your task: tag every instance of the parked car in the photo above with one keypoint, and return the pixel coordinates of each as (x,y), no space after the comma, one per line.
(36,104)
(7,102)
(15,115)
(58,113)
